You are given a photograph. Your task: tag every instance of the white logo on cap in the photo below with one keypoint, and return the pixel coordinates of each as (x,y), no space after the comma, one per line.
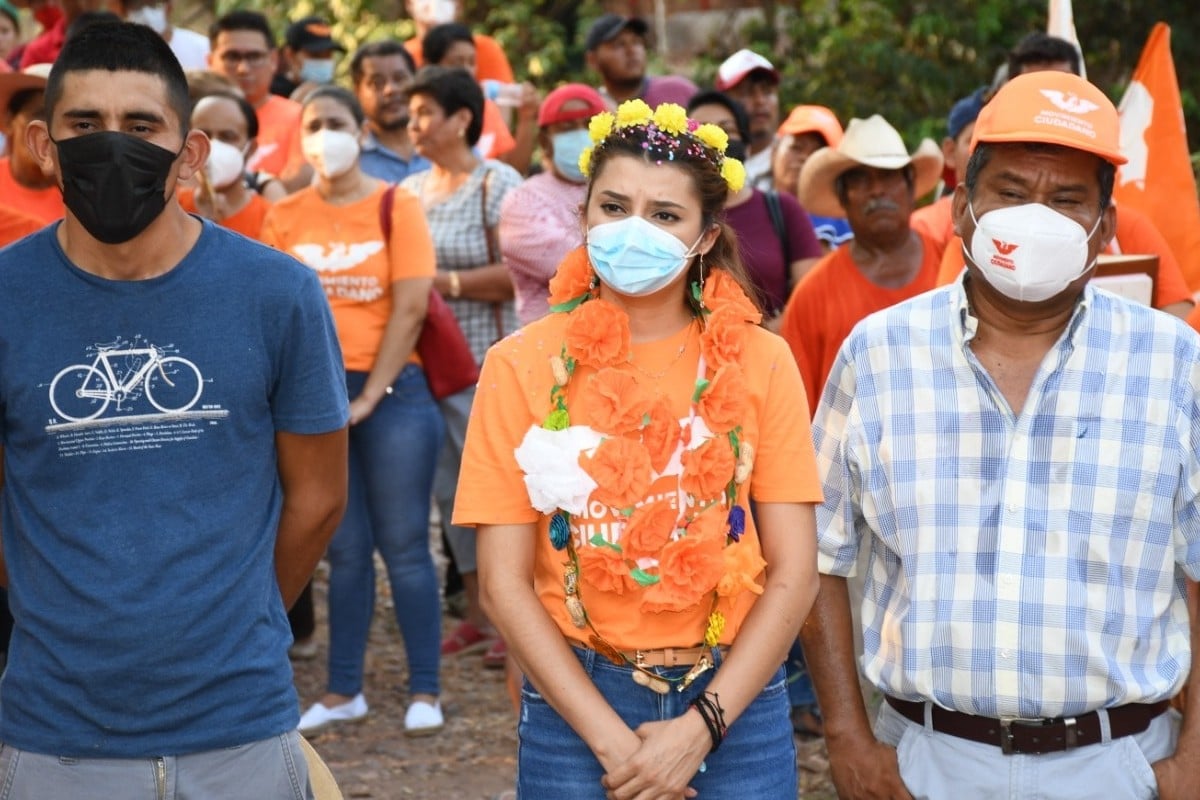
(1069,102)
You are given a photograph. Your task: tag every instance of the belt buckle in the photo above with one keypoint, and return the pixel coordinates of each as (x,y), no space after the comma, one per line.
(1070,734)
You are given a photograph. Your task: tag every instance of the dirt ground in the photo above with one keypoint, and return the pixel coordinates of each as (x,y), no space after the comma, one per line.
(472,758)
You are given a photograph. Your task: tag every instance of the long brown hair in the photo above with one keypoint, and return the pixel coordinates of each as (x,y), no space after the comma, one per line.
(710,185)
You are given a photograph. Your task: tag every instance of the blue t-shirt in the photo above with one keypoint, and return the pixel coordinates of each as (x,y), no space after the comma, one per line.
(142,500)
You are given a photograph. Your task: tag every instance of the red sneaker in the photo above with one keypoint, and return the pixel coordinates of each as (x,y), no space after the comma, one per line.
(466,638)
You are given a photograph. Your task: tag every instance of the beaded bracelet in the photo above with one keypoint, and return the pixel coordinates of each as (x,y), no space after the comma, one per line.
(713,714)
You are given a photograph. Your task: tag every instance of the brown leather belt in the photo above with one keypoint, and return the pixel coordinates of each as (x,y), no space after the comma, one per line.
(663,657)
(1034,736)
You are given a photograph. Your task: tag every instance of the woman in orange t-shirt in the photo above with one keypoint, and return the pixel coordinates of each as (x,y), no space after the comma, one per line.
(377,281)
(613,453)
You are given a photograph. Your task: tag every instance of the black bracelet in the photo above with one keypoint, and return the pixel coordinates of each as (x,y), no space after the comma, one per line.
(713,715)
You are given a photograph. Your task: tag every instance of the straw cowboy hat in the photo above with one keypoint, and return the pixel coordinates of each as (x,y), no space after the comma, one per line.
(319,777)
(868,142)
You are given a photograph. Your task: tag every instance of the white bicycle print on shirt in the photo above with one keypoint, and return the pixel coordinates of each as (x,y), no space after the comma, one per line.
(83,391)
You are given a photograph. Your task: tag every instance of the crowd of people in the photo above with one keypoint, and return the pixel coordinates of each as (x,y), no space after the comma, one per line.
(713,357)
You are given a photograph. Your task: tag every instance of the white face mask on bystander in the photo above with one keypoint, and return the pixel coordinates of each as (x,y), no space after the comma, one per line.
(331,153)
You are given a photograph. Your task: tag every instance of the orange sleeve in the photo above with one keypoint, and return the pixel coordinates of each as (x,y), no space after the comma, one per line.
(411,251)
(1137,235)
(187,200)
(493,123)
(413,46)
(491,62)
(953,262)
(16,225)
(801,331)
(785,465)
(491,486)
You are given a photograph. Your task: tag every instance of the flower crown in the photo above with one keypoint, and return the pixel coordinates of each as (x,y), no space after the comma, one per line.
(668,129)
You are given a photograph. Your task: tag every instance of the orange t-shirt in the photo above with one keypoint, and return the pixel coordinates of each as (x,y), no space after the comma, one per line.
(494,139)
(16,225)
(491,63)
(345,245)
(44,204)
(1136,235)
(830,300)
(278,136)
(513,395)
(248,221)
(934,222)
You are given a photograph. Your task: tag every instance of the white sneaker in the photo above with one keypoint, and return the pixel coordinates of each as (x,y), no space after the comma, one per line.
(423,719)
(318,717)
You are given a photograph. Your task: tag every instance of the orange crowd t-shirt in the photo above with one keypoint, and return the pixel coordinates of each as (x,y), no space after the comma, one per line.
(1136,235)
(345,245)
(491,63)
(278,136)
(16,225)
(934,222)
(44,204)
(830,300)
(513,395)
(248,221)
(495,139)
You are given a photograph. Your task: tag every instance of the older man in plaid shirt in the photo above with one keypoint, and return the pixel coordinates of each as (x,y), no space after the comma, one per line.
(1021,454)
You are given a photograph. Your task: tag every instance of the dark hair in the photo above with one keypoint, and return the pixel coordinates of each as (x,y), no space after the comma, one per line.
(243,105)
(241,21)
(120,47)
(1106,172)
(438,39)
(20,98)
(86,20)
(380,49)
(713,97)
(1041,48)
(452,89)
(339,95)
(839,183)
(710,185)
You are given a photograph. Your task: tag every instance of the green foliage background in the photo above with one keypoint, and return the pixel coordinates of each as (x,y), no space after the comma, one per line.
(906,60)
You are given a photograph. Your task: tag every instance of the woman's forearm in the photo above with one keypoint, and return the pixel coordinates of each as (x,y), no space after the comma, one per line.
(490,283)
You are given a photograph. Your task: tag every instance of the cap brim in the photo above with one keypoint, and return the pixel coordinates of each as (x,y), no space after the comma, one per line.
(1114,157)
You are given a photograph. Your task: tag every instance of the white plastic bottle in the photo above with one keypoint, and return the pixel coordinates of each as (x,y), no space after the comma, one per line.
(503,94)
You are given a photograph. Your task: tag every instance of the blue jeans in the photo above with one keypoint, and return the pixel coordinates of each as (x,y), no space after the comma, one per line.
(757,758)
(393,454)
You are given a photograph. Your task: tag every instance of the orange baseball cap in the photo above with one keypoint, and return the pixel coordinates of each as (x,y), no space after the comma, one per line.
(813,119)
(1053,108)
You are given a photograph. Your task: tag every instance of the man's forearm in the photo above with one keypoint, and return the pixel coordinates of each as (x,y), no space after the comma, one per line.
(828,640)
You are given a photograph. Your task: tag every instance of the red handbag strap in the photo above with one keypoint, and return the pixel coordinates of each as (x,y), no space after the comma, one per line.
(385,212)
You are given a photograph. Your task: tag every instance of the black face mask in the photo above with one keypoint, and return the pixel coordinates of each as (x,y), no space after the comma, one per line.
(736,149)
(115,184)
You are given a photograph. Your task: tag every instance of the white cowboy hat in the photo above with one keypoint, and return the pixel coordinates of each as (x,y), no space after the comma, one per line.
(319,777)
(868,142)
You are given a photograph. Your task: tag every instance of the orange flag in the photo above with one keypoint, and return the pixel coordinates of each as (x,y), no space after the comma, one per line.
(1158,179)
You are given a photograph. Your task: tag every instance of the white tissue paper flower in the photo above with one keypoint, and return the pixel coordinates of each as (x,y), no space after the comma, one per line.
(550,461)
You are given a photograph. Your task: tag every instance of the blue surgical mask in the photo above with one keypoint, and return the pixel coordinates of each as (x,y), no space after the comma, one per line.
(636,257)
(317,70)
(568,146)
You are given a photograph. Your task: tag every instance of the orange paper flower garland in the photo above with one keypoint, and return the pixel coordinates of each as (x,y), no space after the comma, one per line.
(676,557)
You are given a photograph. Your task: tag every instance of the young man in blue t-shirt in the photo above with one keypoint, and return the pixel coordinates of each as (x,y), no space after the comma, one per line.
(172,417)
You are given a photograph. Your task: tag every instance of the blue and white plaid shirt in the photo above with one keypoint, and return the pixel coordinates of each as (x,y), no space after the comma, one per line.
(1027,566)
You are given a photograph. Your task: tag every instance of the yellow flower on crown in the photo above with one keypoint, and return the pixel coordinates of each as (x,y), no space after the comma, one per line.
(585,162)
(633,112)
(671,118)
(713,136)
(734,174)
(600,126)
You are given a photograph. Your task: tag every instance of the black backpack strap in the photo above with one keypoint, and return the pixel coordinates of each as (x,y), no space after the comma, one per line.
(775,212)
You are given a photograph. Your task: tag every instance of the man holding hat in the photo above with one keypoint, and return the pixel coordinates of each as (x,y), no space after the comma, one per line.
(1020,452)
(872,181)
(616,49)
(539,220)
(754,82)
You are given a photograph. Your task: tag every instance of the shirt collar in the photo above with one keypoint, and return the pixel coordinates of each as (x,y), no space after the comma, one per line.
(969,323)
